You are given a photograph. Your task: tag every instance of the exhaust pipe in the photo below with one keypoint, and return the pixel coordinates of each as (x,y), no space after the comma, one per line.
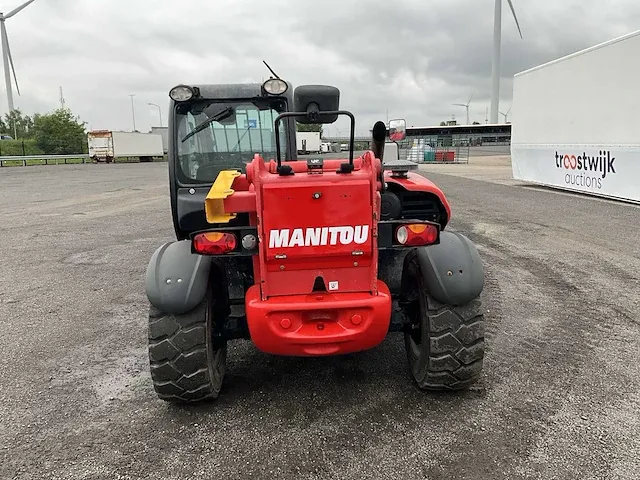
(379,135)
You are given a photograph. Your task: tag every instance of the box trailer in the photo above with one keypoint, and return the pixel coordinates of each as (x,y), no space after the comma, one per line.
(325,147)
(107,145)
(575,122)
(308,142)
(164,133)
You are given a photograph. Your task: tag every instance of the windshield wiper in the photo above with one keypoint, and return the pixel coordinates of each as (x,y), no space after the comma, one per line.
(227,112)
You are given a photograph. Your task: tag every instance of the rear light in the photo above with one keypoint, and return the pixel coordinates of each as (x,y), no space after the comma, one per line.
(417,234)
(214,243)
(249,242)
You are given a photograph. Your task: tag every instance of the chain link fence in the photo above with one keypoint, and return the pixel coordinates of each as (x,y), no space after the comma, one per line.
(452,148)
(29,147)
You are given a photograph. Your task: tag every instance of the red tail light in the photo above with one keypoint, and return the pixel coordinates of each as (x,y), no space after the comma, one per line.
(214,243)
(417,234)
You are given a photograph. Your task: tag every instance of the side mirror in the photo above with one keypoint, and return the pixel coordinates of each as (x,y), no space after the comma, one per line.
(397,130)
(315,99)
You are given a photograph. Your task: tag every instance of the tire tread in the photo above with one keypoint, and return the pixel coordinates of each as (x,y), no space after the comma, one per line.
(460,357)
(179,363)
(455,341)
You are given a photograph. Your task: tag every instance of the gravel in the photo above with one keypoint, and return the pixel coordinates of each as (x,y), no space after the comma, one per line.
(559,397)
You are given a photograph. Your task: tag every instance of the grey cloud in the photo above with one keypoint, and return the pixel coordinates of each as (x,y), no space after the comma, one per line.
(410,58)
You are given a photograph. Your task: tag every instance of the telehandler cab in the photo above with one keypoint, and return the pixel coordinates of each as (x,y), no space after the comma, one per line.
(308,257)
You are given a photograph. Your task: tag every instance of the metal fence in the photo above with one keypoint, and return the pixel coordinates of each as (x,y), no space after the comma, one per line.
(441,147)
(25,160)
(29,147)
(428,150)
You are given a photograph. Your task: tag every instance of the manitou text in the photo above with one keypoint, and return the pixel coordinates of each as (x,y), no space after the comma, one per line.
(320,236)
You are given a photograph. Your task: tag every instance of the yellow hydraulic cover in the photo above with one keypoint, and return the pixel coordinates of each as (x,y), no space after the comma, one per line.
(221,189)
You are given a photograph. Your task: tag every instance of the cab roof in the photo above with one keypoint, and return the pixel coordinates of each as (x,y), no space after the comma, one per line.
(223,91)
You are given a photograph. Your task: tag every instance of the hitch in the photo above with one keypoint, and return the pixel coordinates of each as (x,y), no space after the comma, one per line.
(214,202)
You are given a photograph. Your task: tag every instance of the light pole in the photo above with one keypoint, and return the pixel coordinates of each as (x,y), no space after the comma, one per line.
(159,111)
(133,111)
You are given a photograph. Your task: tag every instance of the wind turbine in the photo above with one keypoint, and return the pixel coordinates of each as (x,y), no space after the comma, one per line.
(505,115)
(466,105)
(6,53)
(495,74)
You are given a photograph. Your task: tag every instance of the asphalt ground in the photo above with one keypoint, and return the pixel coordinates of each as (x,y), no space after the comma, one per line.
(559,397)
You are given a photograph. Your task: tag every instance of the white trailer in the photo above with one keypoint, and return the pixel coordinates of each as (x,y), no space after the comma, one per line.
(107,145)
(575,122)
(164,133)
(308,142)
(325,147)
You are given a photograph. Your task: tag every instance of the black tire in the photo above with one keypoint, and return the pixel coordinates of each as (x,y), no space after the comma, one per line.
(445,343)
(185,365)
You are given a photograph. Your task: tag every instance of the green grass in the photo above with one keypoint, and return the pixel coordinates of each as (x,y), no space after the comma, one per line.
(15,147)
(59,161)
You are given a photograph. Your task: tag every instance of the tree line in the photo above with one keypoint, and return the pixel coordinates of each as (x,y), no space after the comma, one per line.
(59,132)
(309,127)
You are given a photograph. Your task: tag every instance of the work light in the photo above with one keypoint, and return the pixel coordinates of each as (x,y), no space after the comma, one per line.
(275,86)
(181,93)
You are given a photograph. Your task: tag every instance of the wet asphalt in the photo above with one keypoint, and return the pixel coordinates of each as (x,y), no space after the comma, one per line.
(559,397)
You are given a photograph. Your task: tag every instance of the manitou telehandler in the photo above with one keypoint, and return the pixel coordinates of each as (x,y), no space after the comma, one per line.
(303,257)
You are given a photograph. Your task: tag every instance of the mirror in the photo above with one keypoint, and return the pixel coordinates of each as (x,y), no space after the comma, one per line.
(397,130)
(323,97)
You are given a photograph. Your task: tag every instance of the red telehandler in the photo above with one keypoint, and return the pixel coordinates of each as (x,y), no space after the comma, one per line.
(303,257)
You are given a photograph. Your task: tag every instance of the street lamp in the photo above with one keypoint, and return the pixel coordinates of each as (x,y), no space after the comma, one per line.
(159,111)
(133,111)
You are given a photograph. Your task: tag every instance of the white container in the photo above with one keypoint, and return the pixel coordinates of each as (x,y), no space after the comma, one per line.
(576,121)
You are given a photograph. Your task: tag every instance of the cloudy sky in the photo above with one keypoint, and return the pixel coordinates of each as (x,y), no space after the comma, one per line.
(410,58)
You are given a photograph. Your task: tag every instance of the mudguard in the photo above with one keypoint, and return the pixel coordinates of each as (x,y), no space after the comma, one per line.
(452,269)
(177,279)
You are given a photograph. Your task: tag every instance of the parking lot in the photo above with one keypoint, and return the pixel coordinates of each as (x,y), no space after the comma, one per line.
(559,398)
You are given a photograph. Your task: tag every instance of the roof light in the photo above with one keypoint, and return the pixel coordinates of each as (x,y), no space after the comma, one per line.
(275,86)
(181,93)
(214,243)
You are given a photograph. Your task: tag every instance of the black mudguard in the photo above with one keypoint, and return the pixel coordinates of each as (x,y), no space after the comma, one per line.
(452,269)
(177,279)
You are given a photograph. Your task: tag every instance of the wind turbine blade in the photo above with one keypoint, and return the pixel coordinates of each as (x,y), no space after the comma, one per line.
(514,16)
(460,104)
(16,10)
(6,39)
(471,97)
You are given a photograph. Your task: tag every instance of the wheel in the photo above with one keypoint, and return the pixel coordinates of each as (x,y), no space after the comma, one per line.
(185,364)
(444,343)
